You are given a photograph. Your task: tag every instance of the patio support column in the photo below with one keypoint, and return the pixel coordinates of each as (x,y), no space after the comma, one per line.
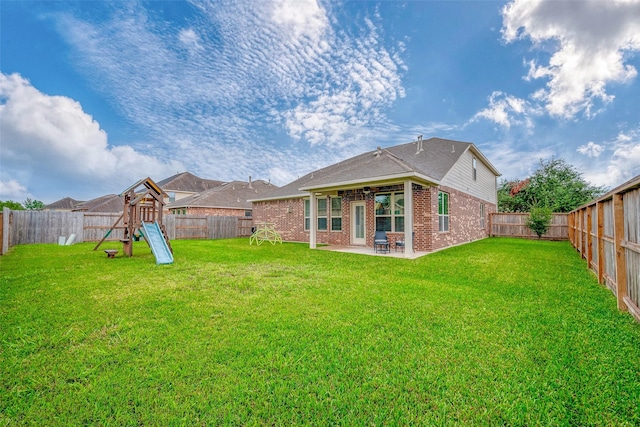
(313,220)
(408,219)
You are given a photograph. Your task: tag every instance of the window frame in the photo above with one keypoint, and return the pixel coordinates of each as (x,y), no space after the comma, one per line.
(444,218)
(482,216)
(322,217)
(326,217)
(474,167)
(307,214)
(393,216)
(332,216)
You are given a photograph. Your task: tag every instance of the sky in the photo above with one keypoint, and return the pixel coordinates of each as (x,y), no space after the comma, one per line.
(96,95)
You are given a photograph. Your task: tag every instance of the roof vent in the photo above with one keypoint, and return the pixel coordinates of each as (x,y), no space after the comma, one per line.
(453,148)
(378,152)
(419,148)
(250,182)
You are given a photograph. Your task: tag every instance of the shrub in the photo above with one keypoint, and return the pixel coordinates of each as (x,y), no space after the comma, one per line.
(539,219)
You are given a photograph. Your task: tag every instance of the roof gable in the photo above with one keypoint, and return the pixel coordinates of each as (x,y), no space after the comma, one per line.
(188,182)
(66,203)
(427,160)
(234,194)
(107,203)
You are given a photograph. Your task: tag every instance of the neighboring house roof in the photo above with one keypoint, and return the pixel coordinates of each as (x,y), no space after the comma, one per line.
(63,204)
(231,195)
(187,182)
(108,203)
(427,161)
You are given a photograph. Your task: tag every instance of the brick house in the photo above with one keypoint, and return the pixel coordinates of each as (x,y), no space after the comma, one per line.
(185,184)
(435,193)
(227,199)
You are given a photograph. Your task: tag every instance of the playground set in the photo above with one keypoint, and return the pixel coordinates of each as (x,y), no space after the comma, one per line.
(142,218)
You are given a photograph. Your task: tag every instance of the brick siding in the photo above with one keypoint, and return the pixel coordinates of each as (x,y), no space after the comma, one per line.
(464,223)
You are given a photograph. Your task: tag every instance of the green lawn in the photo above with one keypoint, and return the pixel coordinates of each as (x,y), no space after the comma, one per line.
(497,332)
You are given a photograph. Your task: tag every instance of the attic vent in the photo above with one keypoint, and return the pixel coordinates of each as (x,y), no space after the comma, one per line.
(378,152)
(453,149)
(419,148)
(250,182)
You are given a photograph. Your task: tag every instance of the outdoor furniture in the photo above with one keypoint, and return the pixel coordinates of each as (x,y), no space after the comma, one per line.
(380,242)
(400,243)
(111,253)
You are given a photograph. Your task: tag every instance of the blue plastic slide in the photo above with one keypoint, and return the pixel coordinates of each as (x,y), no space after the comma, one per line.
(157,243)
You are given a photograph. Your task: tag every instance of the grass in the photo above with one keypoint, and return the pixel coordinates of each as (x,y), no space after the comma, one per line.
(497,332)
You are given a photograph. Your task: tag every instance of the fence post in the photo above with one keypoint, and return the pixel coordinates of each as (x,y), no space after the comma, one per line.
(6,230)
(600,237)
(589,237)
(621,262)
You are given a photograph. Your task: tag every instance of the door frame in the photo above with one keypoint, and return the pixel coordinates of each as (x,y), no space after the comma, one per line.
(354,241)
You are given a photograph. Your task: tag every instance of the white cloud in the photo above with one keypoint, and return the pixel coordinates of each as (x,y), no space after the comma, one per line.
(515,162)
(13,190)
(590,42)
(623,164)
(507,110)
(303,18)
(190,39)
(591,149)
(51,141)
(284,60)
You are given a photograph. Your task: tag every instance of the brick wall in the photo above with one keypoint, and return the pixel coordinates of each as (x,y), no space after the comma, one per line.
(288,219)
(464,222)
(464,219)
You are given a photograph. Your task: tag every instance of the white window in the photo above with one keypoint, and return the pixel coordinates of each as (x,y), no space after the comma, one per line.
(172,196)
(322,214)
(389,211)
(336,214)
(475,168)
(481,215)
(443,211)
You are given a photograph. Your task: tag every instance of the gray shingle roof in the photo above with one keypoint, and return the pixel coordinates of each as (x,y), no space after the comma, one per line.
(187,182)
(234,194)
(63,204)
(108,203)
(431,164)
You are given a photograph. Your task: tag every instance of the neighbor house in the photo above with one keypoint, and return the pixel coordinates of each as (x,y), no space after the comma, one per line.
(66,204)
(108,203)
(434,193)
(185,184)
(229,199)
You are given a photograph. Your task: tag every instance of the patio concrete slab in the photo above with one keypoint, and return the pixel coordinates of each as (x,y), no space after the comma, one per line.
(361,250)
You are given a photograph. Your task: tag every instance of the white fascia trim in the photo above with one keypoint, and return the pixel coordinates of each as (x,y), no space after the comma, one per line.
(371,181)
(287,197)
(483,159)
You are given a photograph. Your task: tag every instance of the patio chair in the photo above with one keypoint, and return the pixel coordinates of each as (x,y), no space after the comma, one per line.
(400,243)
(381,242)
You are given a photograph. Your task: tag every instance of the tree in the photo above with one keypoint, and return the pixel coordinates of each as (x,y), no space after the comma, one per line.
(512,196)
(539,219)
(555,184)
(32,205)
(11,205)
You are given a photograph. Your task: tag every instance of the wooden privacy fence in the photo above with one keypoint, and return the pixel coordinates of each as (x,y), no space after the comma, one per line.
(25,227)
(515,225)
(606,232)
